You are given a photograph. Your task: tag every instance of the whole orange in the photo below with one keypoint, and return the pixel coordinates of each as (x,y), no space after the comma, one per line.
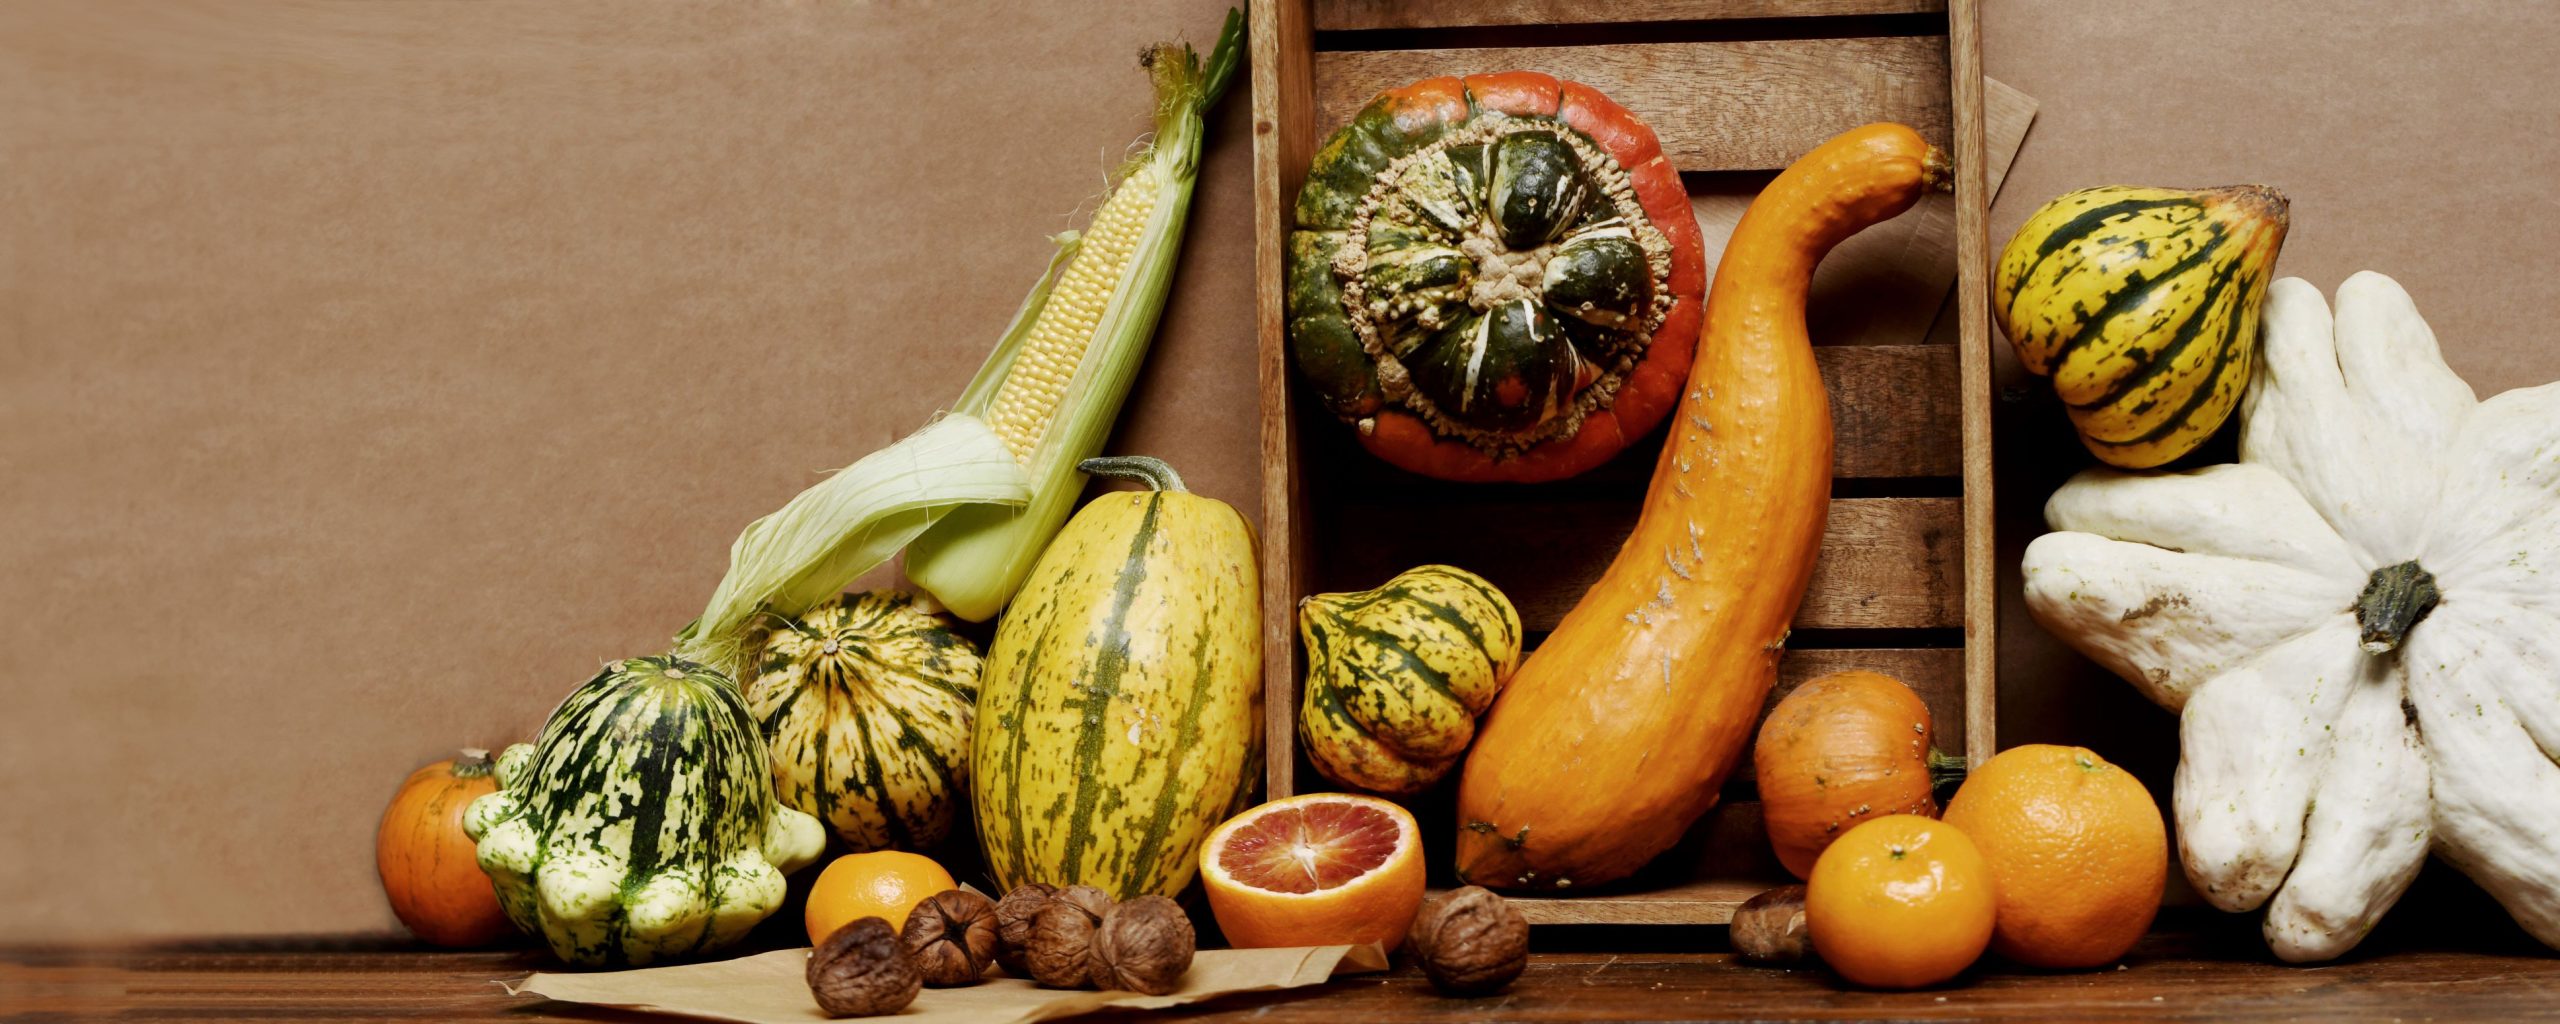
(2077,849)
(886,884)
(1900,901)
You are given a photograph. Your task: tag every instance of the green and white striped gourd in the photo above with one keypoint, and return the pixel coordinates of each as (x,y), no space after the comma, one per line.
(866,703)
(642,827)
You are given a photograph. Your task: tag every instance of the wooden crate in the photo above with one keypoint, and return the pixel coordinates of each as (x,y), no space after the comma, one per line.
(1735,89)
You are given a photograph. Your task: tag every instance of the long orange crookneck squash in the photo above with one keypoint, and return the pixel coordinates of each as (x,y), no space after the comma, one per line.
(1617,733)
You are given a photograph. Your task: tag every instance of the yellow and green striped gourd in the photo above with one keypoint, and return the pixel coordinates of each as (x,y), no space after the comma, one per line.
(865,703)
(1397,676)
(2142,305)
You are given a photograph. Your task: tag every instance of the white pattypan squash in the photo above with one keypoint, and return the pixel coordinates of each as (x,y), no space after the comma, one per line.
(2353,622)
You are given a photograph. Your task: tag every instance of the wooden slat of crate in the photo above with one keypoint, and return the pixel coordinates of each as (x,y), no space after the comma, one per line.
(1894,415)
(1338,15)
(1973,313)
(1723,861)
(1284,138)
(1701,98)
(1886,563)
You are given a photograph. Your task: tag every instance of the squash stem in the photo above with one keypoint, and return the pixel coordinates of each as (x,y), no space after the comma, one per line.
(2395,600)
(1152,472)
(1946,772)
(473,763)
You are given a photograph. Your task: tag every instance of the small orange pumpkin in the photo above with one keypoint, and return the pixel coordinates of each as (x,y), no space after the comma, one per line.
(428,867)
(1842,749)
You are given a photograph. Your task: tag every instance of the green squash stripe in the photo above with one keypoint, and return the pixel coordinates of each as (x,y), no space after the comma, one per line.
(1111,659)
(1186,734)
(2187,333)
(1011,791)
(1421,669)
(2089,222)
(2135,288)
(876,785)
(2195,400)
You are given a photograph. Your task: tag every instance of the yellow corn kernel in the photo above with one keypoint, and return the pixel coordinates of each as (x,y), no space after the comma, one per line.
(1038,378)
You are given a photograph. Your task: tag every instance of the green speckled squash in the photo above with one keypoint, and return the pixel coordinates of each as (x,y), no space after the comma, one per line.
(1396,676)
(1121,716)
(865,703)
(642,827)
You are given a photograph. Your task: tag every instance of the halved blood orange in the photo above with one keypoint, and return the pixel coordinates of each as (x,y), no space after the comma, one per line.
(1316,870)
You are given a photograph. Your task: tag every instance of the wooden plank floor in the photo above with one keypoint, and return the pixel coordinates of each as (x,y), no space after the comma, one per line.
(2200,968)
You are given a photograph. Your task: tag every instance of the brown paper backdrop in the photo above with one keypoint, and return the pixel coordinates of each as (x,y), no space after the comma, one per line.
(370,372)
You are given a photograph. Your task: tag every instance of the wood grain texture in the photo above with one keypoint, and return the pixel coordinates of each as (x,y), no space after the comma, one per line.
(1973,320)
(1894,415)
(1717,106)
(1887,284)
(1886,563)
(1283,137)
(2199,968)
(1338,15)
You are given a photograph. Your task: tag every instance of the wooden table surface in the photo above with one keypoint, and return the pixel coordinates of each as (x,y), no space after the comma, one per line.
(2197,967)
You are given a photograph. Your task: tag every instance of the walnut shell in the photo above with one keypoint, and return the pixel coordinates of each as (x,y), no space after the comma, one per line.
(1143,945)
(1062,937)
(1013,923)
(1769,929)
(952,937)
(862,970)
(1471,942)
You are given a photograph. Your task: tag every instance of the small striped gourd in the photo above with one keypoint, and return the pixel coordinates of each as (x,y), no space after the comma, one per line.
(642,827)
(1055,383)
(2142,305)
(865,704)
(1120,715)
(1396,676)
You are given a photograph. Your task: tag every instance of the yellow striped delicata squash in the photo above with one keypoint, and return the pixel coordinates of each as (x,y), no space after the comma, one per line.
(2354,622)
(2142,305)
(1120,714)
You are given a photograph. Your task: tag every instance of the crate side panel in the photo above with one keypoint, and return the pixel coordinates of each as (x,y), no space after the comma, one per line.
(1717,106)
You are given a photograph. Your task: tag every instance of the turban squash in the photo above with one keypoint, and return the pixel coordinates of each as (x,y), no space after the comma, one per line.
(1495,277)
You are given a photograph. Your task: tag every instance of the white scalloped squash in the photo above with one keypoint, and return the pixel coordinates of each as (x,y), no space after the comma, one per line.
(2314,777)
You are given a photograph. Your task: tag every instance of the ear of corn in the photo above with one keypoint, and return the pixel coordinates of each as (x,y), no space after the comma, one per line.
(1055,385)
(979,492)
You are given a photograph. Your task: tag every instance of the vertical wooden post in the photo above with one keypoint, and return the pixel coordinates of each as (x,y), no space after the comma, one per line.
(1973,319)
(1283,130)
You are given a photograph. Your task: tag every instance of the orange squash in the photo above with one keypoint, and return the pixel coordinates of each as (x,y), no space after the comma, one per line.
(428,867)
(1614,736)
(1840,750)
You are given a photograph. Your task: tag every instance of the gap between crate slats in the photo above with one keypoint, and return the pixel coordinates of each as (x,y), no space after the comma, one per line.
(1340,15)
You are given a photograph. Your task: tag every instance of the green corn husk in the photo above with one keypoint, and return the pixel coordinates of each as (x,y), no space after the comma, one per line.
(827,537)
(975,558)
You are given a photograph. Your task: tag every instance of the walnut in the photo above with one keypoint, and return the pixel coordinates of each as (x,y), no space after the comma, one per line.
(952,937)
(1013,923)
(1143,945)
(1062,937)
(862,970)
(1769,929)
(1470,943)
